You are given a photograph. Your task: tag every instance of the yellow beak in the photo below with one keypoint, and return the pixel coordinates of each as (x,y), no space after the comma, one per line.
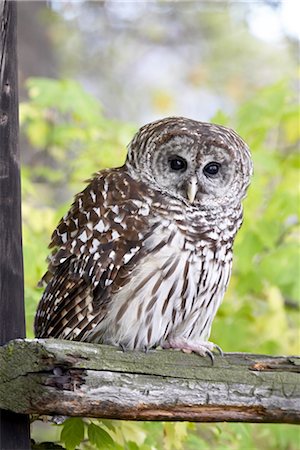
(192,189)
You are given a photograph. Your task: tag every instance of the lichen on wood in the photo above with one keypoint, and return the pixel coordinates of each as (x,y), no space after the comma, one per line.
(79,379)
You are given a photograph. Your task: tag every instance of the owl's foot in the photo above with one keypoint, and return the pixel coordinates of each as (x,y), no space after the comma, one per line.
(202,348)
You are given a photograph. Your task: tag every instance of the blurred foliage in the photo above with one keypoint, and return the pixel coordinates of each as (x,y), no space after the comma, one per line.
(143,59)
(71,139)
(264,291)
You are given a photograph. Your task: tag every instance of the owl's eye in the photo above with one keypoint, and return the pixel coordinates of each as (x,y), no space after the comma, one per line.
(178,163)
(211,169)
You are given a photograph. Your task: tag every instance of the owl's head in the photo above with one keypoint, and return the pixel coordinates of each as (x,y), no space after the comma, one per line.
(202,164)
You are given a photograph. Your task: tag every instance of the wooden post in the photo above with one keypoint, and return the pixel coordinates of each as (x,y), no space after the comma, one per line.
(14,428)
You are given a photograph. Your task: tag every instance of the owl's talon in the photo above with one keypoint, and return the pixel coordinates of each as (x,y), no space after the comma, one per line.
(220,351)
(202,348)
(211,356)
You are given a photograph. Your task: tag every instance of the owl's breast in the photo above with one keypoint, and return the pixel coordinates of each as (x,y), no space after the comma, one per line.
(167,289)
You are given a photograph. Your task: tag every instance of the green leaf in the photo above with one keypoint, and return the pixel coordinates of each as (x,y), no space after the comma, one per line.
(132,446)
(72,433)
(99,437)
(108,424)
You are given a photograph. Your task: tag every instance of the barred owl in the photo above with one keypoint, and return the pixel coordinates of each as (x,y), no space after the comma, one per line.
(143,257)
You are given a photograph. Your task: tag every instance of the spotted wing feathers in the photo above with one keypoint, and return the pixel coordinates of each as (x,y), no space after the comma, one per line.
(95,247)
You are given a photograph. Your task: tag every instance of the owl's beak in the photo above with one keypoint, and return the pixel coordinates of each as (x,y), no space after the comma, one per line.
(192,189)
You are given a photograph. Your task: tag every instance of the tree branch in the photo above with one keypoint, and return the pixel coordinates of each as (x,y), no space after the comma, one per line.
(78,379)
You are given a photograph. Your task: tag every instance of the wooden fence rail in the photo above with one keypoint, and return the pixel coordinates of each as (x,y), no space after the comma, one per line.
(77,379)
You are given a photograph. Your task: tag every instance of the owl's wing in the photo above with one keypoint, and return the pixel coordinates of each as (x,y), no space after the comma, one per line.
(95,247)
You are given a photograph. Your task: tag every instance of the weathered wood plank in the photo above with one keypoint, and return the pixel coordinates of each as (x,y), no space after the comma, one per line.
(14,429)
(79,379)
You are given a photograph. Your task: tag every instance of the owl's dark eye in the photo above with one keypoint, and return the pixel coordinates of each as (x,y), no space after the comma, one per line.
(177,163)
(211,169)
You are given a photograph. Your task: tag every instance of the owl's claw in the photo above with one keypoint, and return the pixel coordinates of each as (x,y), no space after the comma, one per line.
(202,348)
(122,347)
(211,356)
(221,353)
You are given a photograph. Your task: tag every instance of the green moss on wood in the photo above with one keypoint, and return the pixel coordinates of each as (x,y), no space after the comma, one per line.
(75,378)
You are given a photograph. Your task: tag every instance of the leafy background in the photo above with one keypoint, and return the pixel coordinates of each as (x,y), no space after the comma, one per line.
(69,132)
(260,310)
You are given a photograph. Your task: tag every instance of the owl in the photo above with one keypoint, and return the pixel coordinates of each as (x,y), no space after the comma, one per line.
(143,257)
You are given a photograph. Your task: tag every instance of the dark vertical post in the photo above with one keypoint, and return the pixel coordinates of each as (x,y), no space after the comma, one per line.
(14,428)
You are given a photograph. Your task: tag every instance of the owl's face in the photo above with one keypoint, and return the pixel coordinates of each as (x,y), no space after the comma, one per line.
(201,164)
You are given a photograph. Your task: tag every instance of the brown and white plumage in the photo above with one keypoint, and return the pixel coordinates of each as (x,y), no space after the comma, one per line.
(143,257)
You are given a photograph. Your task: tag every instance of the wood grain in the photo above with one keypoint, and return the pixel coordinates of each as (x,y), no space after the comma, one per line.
(14,429)
(80,379)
